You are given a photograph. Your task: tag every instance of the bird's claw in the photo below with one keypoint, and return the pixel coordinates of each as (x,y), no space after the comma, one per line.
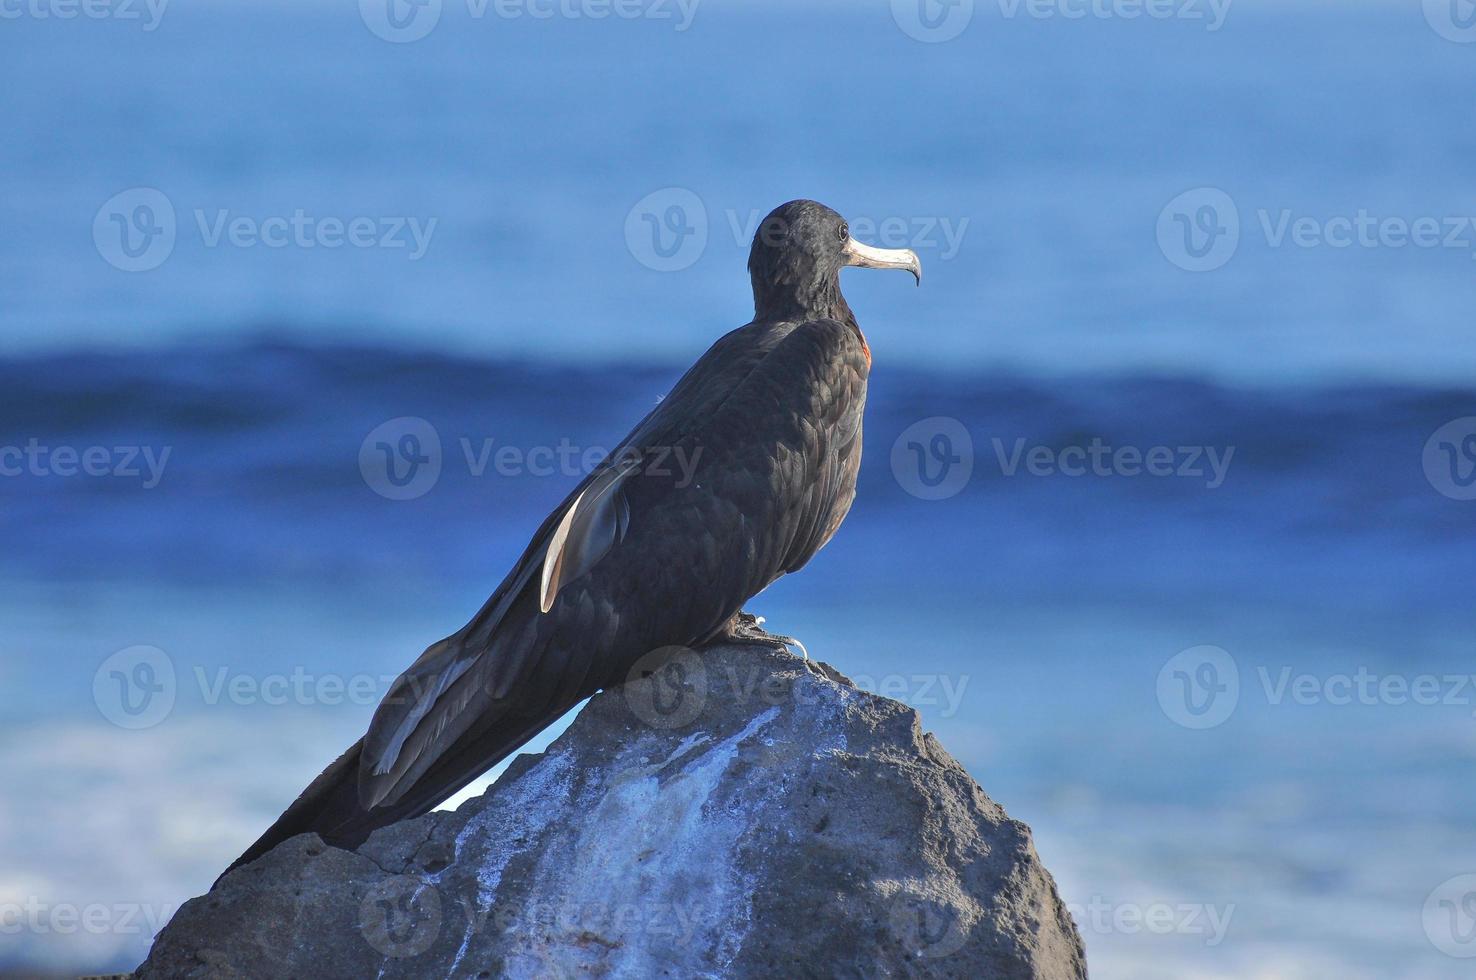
(749,628)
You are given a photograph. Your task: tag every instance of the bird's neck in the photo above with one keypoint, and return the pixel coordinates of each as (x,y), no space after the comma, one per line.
(823,302)
(795,311)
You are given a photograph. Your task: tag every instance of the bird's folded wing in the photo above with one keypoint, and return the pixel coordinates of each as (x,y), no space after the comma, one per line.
(479,675)
(467,678)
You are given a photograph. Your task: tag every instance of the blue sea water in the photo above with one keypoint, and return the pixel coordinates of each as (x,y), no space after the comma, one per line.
(1312,528)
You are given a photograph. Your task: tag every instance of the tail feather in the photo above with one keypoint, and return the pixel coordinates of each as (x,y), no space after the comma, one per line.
(330,805)
(330,800)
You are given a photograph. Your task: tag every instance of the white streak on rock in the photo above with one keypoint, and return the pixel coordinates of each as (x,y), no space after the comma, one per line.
(655,854)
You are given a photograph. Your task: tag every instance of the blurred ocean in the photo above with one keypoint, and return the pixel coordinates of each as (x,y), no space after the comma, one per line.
(555,214)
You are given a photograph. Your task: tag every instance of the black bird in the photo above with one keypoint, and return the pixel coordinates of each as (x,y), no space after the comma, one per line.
(643,554)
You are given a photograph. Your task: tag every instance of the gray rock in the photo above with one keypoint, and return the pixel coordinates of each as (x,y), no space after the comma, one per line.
(738,812)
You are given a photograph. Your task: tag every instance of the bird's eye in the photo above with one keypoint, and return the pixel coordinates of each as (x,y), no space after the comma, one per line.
(845,233)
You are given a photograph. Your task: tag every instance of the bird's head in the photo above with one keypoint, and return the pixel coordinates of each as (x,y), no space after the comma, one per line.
(796,259)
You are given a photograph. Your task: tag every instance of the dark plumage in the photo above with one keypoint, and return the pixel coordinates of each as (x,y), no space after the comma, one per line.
(768,426)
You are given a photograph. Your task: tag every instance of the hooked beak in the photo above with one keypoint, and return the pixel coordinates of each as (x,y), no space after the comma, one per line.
(869,257)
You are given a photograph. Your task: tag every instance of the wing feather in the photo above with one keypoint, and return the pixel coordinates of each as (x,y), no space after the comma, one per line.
(591,526)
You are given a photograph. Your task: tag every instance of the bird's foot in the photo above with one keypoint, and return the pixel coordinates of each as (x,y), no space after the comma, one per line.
(748,628)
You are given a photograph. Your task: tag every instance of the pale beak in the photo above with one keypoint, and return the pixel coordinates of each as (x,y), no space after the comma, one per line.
(869,257)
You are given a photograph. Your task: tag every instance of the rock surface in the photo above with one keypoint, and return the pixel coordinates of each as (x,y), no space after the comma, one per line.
(736,812)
